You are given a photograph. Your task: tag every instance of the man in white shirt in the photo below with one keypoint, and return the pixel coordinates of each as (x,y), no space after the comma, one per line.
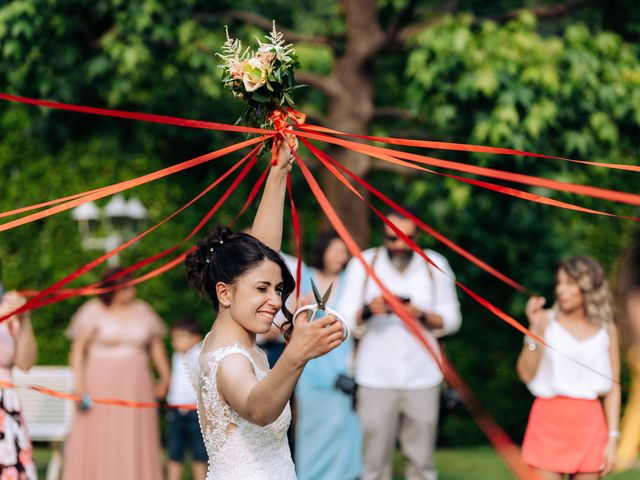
(398,379)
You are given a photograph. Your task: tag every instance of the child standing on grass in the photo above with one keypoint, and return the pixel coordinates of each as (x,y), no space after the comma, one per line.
(184,429)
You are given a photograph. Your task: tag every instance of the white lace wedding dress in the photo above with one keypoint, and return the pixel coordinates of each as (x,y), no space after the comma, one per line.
(237,448)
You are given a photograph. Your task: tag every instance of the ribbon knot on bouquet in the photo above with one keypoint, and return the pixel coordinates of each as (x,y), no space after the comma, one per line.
(279,120)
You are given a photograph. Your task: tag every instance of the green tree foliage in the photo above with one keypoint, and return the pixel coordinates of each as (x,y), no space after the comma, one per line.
(566,89)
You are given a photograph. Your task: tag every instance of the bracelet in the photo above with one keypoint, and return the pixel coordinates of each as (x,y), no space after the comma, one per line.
(531,344)
(366,313)
(614,434)
(422,318)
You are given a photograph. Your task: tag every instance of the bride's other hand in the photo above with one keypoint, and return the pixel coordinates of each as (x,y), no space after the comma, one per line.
(312,339)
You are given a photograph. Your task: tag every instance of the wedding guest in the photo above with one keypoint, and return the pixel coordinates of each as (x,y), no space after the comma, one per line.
(184,430)
(113,338)
(569,431)
(17,349)
(328,434)
(399,382)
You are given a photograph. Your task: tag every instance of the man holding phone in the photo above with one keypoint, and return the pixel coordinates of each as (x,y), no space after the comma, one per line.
(399,382)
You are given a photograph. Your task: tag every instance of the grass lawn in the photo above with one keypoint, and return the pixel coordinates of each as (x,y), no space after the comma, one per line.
(477,463)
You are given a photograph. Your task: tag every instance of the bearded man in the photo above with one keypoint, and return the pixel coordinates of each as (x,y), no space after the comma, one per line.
(399,382)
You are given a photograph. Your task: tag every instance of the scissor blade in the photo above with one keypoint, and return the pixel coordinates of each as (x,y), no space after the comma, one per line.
(327,294)
(316,293)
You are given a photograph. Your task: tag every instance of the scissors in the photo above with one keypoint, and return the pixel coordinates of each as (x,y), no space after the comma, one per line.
(321,305)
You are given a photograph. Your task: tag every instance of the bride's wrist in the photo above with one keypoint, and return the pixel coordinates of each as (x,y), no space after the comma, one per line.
(293,360)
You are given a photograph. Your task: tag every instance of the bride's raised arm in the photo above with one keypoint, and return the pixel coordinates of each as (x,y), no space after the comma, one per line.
(267,225)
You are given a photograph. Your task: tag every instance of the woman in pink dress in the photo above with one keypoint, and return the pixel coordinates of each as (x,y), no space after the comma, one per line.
(17,348)
(113,338)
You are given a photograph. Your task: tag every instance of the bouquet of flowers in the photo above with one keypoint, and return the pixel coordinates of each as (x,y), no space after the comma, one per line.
(263,78)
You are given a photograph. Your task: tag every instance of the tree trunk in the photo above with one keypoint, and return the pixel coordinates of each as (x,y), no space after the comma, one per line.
(351,108)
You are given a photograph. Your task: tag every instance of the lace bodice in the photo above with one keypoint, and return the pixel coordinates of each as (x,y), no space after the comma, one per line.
(237,448)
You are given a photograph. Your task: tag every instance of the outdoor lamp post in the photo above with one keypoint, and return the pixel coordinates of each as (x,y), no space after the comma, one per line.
(107,228)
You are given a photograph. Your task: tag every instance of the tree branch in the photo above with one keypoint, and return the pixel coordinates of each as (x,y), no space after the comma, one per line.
(404,16)
(393,112)
(403,34)
(266,24)
(326,85)
(543,11)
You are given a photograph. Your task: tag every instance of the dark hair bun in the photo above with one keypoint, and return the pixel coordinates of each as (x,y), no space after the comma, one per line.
(199,259)
(224,256)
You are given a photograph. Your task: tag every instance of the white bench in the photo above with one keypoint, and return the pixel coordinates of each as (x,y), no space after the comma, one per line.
(48,418)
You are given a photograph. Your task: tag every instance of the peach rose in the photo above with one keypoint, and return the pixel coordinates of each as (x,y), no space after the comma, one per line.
(254,75)
(237,69)
(266,58)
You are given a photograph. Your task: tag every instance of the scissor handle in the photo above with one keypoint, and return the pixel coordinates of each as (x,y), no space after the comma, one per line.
(313,309)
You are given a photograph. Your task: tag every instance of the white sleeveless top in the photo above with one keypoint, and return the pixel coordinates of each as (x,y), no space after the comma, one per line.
(237,448)
(559,374)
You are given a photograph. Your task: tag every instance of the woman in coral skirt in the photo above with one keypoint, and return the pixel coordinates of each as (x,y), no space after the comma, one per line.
(573,424)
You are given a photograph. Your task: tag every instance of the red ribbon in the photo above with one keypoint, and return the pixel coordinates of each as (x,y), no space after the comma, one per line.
(280,116)
(385,154)
(389,202)
(253,193)
(507,190)
(478,298)
(465,147)
(121,186)
(46,204)
(391,156)
(496,435)
(484,302)
(280,122)
(36,301)
(299,119)
(95,289)
(295,220)
(143,117)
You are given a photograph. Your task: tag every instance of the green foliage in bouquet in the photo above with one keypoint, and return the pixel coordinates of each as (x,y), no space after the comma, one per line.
(264,78)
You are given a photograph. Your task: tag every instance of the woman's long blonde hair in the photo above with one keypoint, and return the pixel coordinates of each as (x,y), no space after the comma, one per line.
(592,281)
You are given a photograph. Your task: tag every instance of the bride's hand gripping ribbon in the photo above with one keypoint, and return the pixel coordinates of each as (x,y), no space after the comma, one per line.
(278,118)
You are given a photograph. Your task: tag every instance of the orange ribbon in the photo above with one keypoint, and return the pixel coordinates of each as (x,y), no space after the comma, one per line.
(280,116)
(325,159)
(41,300)
(496,435)
(279,119)
(99,401)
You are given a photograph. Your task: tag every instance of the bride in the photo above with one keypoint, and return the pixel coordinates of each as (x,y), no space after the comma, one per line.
(242,405)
